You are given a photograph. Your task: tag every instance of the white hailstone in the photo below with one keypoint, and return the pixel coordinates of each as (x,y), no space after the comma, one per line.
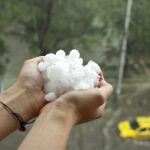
(50,96)
(89,81)
(76,72)
(61,53)
(46,64)
(89,72)
(48,87)
(62,73)
(94,66)
(74,54)
(80,61)
(82,85)
(48,56)
(51,58)
(58,71)
(96,82)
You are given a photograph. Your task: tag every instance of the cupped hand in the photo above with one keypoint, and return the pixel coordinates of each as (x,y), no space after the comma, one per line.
(30,79)
(88,104)
(83,105)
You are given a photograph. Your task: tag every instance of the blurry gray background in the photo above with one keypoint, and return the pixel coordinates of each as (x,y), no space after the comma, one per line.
(101,30)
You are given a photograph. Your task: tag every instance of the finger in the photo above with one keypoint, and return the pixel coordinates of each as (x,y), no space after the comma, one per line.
(97,96)
(37,59)
(100,111)
(106,89)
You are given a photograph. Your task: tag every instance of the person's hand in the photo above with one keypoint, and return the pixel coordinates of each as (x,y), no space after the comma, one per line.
(25,98)
(60,116)
(84,105)
(30,80)
(88,104)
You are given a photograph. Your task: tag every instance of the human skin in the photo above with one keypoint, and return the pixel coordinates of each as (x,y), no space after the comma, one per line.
(24,97)
(56,120)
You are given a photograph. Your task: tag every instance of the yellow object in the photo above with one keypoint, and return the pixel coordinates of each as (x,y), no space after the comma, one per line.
(136,129)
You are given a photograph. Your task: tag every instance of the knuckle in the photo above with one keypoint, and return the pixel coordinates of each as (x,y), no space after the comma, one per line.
(99,115)
(100,98)
(110,87)
(26,61)
(29,61)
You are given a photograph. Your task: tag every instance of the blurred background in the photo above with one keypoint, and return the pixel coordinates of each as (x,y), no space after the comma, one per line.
(114,33)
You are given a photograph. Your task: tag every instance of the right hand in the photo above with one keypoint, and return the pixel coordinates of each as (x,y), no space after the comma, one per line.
(84,105)
(88,104)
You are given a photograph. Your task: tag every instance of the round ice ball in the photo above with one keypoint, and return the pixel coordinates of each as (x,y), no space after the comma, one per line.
(51,58)
(61,53)
(50,96)
(74,53)
(58,71)
(94,66)
(62,73)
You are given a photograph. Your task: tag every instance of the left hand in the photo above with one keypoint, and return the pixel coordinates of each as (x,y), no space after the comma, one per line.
(30,79)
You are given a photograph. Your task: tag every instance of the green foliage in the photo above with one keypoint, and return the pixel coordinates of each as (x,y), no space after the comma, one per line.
(65,24)
(2,69)
(138,42)
(2,51)
(94,27)
(2,47)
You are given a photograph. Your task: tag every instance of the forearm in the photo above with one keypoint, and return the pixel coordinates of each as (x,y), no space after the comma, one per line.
(15,98)
(51,130)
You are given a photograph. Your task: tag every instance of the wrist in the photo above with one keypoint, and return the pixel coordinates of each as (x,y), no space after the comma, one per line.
(53,126)
(60,111)
(17,99)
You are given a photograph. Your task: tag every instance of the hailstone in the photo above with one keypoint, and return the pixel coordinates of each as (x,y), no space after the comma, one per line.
(62,73)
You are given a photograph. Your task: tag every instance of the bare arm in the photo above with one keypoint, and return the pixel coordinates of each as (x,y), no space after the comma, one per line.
(52,129)
(25,97)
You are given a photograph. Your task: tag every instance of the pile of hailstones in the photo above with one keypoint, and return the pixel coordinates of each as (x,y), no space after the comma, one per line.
(62,73)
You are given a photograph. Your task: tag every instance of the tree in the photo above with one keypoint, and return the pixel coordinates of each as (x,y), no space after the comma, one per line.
(49,25)
(55,24)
